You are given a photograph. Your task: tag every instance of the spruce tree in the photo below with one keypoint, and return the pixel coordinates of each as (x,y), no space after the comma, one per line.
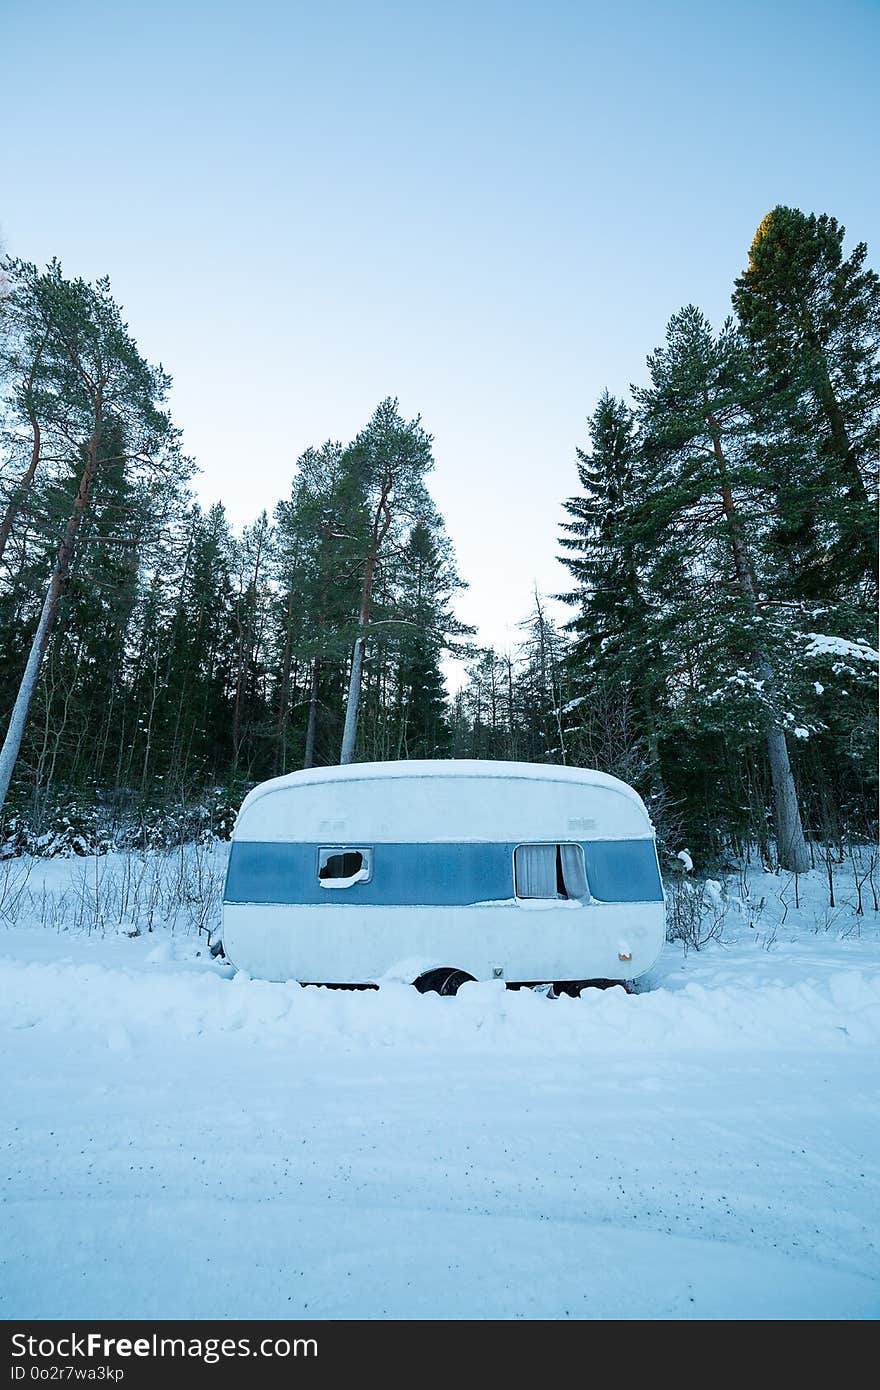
(703,493)
(616,660)
(426,580)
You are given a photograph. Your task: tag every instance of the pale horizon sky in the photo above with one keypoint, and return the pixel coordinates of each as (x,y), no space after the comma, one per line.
(488,210)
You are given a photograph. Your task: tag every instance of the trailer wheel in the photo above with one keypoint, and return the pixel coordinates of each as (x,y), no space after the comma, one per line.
(446,980)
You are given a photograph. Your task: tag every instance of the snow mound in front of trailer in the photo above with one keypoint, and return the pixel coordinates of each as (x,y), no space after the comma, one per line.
(124,1004)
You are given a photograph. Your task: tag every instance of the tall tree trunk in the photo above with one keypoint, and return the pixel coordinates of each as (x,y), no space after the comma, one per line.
(349,732)
(791,847)
(48,617)
(247,646)
(239,691)
(284,695)
(309,759)
(12,742)
(381,525)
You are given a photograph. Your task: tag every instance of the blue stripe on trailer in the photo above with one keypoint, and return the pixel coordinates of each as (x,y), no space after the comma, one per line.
(428,875)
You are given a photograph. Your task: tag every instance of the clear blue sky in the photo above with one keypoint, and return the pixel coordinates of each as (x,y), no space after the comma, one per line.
(489,210)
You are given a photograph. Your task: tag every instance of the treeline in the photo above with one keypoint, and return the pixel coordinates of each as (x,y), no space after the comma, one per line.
(722,552)
(150,654)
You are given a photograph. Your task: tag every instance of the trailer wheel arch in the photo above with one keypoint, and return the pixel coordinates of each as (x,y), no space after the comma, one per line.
(444,979)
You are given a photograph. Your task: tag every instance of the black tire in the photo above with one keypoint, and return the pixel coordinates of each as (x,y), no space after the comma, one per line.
(446,980)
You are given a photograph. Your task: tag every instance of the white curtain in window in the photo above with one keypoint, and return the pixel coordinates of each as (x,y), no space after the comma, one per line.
(536,871)
(573,873)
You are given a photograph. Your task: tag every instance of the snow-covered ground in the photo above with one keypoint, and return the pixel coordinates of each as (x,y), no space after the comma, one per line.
(180,1142)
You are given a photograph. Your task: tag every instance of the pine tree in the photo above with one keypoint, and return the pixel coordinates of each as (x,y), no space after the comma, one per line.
(322,531)
(101,405)
(813,318)
(390,457)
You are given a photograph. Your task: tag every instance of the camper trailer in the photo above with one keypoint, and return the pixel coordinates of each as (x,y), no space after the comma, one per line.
(440,872)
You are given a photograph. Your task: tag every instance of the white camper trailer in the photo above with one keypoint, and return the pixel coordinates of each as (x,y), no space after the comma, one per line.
(481,870)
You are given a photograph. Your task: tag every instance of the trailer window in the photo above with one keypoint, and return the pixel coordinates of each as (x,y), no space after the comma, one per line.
(341,866)
(549,871)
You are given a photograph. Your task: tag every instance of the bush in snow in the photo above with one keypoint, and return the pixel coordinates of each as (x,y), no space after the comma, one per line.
(131,892)
(695,912)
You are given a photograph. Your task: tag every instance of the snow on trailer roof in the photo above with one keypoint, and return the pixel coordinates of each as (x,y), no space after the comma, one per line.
(447,767)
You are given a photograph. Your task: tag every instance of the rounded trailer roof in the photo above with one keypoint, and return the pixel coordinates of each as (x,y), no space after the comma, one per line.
(460,768)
